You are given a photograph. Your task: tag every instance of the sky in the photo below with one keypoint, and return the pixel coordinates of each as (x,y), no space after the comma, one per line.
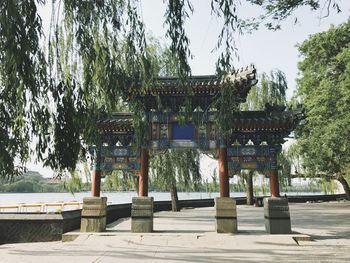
(267,50)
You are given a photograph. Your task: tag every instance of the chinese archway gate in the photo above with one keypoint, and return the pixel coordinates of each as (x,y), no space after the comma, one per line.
(263,130)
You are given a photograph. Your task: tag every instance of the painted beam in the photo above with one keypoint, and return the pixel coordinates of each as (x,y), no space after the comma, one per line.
(235,166)
(253,150)
(116,151)
(121,166)
(183,144)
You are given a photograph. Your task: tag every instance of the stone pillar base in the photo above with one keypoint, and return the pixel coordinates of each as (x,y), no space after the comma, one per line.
(226,215)
(277,217)
(93,215)
(142,215)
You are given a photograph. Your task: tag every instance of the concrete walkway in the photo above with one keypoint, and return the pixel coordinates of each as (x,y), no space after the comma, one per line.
(189,236)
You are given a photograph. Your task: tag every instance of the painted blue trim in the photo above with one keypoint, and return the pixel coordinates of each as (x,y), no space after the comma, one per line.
(202,144)
(117,166)
(116,151)
(170,117)
(254,165)
(222,143)
(252,150)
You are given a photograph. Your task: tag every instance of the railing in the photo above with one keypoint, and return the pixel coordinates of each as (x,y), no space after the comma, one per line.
(42,207)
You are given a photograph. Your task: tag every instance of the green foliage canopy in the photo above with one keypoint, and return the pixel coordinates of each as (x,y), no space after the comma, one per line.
(324,90)
(176,167)
(51,91)
(271,89)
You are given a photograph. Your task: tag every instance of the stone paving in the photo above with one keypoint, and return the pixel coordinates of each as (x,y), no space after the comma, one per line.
(189,236)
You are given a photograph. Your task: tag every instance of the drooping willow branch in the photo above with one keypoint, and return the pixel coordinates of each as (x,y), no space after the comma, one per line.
(51,92)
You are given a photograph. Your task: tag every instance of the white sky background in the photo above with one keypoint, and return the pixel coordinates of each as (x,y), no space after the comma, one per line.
(267,50)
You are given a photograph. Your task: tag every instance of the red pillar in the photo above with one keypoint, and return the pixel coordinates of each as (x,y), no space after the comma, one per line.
(95,183)
(274,184)
(223,173)
(143,178)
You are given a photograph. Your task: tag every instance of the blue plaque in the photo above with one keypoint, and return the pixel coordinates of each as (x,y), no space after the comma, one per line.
(183,132)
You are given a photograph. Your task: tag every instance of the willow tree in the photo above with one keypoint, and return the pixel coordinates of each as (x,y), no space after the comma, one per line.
(270,90)
(173,167)
(176,167)
(52,86)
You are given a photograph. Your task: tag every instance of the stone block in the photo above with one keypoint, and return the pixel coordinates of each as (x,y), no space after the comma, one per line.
(95,201)
(93,224)
(226,226)
(94,212)
(141,225)
(142,200)
(226,215)
(277,216)
(224,203)
(142,207)
(142,215)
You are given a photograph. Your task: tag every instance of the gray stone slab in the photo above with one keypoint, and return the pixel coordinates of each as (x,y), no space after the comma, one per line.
(141,225)
(277,216)
(93,224)
(142,200)
(224,203)
(142,207)
(21,227)
(86,212)
(94,214)
(95,200)
(226,226)
(142,215)
(226,215)
(278,226)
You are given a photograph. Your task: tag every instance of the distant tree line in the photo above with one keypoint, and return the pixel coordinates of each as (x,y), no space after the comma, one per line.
(30,182)
(34,182)
(122,181)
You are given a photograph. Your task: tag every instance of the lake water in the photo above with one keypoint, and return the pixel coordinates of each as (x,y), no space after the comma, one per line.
(112,197)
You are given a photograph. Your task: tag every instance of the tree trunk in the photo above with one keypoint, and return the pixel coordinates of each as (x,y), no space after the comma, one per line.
(345,185)
(250,193)
(289,180)
(174,199)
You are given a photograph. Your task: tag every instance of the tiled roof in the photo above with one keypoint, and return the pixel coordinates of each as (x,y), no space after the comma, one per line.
(267,121)
(244,121)
(119,122)
(201,90)
(240,80)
